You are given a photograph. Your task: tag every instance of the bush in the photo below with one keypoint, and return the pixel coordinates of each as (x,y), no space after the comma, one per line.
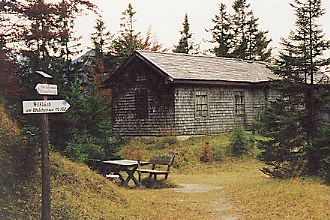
(219,154)
(207,155)
(322,144)
(241,143)
(167,142)
(82,148)
(185,158)
(158,143)
(134,150)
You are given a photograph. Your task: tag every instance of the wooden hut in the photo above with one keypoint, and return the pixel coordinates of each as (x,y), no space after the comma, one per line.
(157,94)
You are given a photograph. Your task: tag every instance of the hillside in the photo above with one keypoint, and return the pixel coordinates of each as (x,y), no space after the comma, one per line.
(219,189)
(77,192)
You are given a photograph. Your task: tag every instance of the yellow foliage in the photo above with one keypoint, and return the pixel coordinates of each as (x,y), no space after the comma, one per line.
(9,127)
(134,150)
(80,193)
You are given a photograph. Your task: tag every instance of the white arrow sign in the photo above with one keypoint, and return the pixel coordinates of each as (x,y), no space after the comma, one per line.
(45,106)
(46,89)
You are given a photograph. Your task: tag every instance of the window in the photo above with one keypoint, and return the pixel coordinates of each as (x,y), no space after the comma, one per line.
(141,103)
(201,103)
(239,103)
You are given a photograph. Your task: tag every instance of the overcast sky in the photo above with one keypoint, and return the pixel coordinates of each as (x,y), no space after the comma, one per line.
(165,17)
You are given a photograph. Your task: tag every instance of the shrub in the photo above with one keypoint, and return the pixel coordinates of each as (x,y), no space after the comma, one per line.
(167,142)
(159,143)
(206,153)
(241,143)
(134,150)
(219,154)
(185,158)
(322,145)
(83,147)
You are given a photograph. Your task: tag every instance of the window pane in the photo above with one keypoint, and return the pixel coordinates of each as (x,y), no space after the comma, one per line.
(239,103)
(141,104)
(201,103)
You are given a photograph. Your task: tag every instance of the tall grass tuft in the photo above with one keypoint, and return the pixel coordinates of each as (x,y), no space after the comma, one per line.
(134,150)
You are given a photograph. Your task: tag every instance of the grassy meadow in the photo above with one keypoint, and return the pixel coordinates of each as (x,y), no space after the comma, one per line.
(225,187)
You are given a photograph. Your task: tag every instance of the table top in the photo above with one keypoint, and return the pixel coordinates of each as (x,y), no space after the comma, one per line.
(122,162)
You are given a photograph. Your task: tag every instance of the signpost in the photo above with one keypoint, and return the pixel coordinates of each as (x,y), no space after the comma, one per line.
(44,107)
(46,89)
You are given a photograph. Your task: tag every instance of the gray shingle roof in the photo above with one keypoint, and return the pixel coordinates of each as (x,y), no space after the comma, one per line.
(189,67)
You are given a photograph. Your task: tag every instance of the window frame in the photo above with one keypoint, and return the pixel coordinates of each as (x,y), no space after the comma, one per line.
(239,103)
(141,103)
(201,98)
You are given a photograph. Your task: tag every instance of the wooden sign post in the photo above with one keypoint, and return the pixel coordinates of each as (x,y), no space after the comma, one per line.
(44,107)
(45,172)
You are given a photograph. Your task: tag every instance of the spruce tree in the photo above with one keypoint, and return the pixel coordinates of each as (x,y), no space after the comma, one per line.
(127,42)
(301,100)
(68,11)
(130,40)
(100,38)
(184,46)
(222,33)
(85,131)
(238,35)
(249,42)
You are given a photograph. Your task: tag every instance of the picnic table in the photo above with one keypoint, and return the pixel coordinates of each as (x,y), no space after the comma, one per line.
(127,166)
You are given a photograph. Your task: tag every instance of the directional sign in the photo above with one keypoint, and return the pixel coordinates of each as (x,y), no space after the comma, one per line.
(46,89)
(44,74)
(45,106)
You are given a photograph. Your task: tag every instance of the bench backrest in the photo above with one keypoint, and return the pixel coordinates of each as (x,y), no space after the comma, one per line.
(162,159)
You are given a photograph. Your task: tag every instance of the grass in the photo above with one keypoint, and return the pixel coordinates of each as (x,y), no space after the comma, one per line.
(84,194)
(256,196)
(79,193)
(253,194)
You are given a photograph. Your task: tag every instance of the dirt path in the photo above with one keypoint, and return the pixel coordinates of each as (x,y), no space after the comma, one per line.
(218,206)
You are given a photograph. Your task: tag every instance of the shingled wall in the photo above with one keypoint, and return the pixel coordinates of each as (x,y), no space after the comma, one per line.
(221,116)
(157,100)
(145,102)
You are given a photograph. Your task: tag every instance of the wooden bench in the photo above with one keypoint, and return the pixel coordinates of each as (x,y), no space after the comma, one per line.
(160,165)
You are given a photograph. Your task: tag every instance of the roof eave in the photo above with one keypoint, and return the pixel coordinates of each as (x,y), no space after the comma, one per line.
(219,82)
(154,66)
(148,62)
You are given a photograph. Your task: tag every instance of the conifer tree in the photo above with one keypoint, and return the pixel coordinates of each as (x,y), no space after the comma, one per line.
(184,46)
(238,35)
(296,115)
(222,33)
(67,12)
(249,42)
(100,38)
(127,42)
